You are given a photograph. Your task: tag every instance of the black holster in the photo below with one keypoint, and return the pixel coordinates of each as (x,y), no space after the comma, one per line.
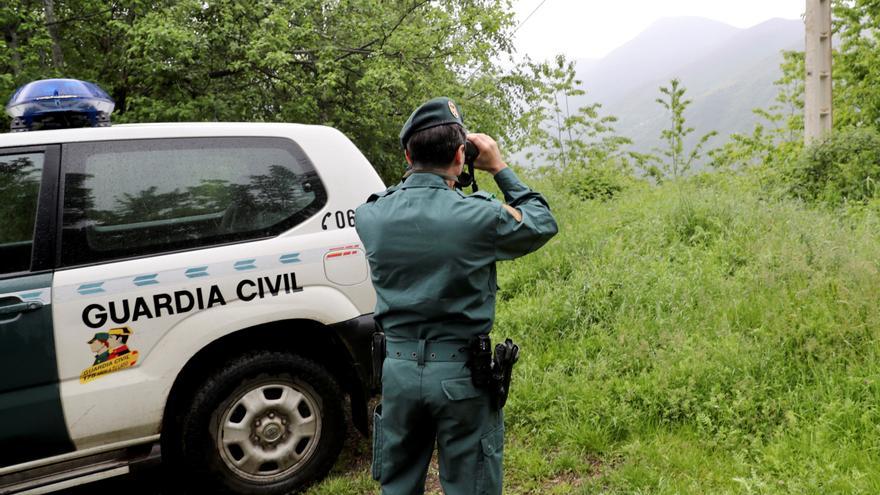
(378,358)
(492,373)
(506,355)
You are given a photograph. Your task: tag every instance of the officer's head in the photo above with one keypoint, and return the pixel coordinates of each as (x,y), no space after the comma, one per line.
(434,136)
(99,342)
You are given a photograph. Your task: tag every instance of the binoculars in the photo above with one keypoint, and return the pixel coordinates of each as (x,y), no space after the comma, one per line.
(467,178)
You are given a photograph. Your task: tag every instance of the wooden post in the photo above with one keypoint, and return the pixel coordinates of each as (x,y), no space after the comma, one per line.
(817,104)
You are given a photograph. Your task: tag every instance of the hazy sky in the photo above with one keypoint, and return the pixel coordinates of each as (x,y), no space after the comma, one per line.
(592,28)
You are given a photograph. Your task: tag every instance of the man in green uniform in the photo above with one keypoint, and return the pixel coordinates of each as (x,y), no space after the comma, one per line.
(432,253)
(100,345)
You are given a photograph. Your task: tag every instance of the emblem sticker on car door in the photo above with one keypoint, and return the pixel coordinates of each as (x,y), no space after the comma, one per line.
(112,353)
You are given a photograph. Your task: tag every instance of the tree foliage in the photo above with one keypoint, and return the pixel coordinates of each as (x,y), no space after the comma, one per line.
(359,65)
(857,63)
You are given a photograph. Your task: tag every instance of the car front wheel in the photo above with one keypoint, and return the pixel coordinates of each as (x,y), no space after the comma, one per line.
(268,423)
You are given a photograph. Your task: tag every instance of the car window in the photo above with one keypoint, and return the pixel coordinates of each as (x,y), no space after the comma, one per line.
(20,177)
(132,198)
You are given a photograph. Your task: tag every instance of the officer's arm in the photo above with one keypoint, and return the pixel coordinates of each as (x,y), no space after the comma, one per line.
(536,225)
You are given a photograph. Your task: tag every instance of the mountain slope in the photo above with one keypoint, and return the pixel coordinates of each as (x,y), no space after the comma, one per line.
(666,44)
(728,75)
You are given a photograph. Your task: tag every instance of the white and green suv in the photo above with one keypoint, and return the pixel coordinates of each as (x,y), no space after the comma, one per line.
(195,291)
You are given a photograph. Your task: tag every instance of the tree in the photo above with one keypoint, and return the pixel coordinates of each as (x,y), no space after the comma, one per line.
(857,63)
(358,65)
(678,162)
(564,138)
(777,138)
(25,47)
(579,148)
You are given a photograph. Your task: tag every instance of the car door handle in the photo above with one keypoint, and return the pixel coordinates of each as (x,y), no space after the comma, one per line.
(20,307)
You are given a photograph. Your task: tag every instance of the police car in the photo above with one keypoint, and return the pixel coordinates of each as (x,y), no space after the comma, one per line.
(195,291)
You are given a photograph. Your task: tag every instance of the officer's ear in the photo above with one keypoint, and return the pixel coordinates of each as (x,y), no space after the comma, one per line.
(459,157)
(408,157)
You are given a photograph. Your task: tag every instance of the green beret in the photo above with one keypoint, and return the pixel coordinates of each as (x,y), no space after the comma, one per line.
(434,112)
(103,336)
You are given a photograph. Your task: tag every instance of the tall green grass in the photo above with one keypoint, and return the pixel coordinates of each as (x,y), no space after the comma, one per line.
(694,337)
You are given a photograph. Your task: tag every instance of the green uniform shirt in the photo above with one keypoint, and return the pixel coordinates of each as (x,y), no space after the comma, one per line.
(432,252)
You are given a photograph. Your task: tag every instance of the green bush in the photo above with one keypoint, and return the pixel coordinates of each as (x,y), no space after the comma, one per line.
(593,181)
(843,168)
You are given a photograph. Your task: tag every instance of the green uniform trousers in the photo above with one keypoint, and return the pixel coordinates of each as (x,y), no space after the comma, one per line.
(427,400)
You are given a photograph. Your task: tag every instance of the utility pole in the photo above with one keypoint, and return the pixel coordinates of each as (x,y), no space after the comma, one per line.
(817,104)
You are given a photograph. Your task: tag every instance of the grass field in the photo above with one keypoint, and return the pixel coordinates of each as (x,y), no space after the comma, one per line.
(697,337)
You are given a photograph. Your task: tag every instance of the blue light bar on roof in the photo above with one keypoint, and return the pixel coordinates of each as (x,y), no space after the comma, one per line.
(59,103)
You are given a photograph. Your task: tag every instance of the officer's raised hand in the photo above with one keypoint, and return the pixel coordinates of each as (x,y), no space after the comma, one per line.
(489,158)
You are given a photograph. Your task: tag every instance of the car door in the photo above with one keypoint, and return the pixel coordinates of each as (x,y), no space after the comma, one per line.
(31,417)
(164,242)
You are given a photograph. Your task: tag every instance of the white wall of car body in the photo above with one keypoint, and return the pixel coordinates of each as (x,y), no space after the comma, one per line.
(129,404)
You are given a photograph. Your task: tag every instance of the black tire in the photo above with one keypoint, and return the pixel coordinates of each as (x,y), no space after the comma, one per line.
(193,447)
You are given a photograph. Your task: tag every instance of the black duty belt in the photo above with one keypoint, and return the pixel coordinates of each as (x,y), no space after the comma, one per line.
(424,351)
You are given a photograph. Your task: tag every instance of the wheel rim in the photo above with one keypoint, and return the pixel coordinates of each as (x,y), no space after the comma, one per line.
(269,431)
